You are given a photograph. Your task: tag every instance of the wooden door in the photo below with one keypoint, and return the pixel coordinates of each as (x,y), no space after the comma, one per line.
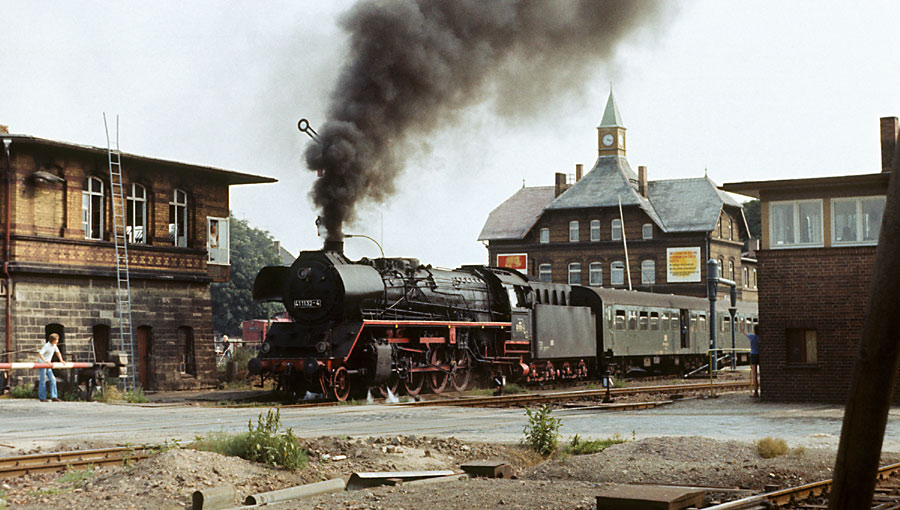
(143,355)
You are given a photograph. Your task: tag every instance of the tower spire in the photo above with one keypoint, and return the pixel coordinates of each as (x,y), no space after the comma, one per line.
(611,131)
(611,117)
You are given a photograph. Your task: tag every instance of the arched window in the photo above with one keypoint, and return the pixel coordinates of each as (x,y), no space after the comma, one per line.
(136,220)
(595,230)
(648,272)
(596,274)
(755,282)
(92,209)
(573,231)
(617,273)
(574,273)
(178,218)
(746,278)
(545,273)
(188,356)
(722,266)
(731,270)
(616,229)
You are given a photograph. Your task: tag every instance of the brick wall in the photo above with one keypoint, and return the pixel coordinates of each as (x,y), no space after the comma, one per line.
(823,289)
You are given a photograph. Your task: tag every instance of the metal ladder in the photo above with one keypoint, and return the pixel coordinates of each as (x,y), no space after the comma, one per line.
(123,281)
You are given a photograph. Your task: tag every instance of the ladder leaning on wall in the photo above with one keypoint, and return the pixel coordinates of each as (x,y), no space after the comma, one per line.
(123,282)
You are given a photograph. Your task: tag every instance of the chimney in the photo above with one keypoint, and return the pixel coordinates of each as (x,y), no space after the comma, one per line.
(642,181)
(579,171)
(334,245)
(889,130)
(4,130)
(560,183)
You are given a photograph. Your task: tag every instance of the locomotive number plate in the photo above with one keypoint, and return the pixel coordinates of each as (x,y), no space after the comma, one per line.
(307,303)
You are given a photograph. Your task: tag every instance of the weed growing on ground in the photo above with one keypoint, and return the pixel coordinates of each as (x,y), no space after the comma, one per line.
(798,451)
(136,396)
(771,447)
(76,476)
(264,443)
(542,430)
(109,394)
(23,391)
(514,389)
(2,499)
(579,446)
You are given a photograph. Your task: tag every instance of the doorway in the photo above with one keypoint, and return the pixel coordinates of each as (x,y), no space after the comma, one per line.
(144,348)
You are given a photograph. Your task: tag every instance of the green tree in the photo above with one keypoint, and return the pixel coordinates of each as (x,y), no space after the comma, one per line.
(754,222)
(232,301)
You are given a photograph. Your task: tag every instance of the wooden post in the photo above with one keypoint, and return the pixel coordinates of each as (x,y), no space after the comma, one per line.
(875,370)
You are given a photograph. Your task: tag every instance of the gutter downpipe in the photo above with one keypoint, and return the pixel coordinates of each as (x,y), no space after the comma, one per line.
(6,242)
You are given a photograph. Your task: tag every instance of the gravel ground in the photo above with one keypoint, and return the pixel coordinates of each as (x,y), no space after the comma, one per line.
(167,480)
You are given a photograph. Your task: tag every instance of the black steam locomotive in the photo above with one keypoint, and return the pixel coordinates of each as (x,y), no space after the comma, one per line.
(389,322)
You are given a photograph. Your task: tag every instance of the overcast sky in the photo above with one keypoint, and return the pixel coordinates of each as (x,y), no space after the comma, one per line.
(743,90)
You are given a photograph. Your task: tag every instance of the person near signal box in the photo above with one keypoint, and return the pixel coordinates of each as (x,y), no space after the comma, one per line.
(46,354)
(754,357)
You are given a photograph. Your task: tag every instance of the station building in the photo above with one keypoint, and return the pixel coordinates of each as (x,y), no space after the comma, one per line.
(819,238)
(576,231)
(59,258)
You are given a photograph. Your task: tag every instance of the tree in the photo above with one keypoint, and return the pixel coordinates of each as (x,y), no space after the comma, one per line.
(232,301)
(754,222)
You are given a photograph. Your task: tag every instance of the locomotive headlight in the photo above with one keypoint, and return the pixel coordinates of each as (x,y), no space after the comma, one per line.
(322,346)
(265,348)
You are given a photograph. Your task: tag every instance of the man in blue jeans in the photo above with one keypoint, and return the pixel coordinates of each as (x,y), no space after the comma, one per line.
(46,354)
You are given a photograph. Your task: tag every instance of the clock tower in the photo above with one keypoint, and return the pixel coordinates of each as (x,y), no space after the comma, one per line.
(611,132)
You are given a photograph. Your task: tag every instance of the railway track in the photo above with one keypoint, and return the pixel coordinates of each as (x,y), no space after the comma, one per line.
(815,495)
(58,461)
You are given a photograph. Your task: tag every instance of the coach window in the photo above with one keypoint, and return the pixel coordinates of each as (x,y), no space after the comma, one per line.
(617,273)
(654,321)
(595,230)
(545,235)
(632,320)
(802,346)
(573,231)
(726,324)
(545,273)
(647,231)
(701,322)
(620,319)
(574,273)
(664,318)
(674,320)
(92,209)
(596,274)
(136,214)
(178,218)
(643,321)
(693,323)
(648,272)
(617,230)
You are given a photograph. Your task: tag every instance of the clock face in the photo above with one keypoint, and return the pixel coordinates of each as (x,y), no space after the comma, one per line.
(608,139)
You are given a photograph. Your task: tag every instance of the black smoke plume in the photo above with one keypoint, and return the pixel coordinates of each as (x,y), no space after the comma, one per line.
(414,64)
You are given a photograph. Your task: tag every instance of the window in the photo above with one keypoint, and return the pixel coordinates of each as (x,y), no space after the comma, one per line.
(731,229)
(573,231)
(596,274)
(664,321)
(620,319)
(217,240)
(617,273)
(795,224)
(654,321)
(545,235)
(647,231)
(648,272)
(731,270)
(188,358)
(632,320)
(545,273)
(178,218)
(719,226)
(595,230)
(801,345)
(92,209)
(746,279)
(574,273)
(702,322)
(643,321)
(136,214)
(856,220)
(754,278)
(722,266)
(617,230)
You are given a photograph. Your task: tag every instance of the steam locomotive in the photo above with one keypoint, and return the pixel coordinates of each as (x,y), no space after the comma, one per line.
(391,322)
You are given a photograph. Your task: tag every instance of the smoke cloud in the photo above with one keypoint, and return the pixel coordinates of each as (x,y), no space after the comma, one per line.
(414,64)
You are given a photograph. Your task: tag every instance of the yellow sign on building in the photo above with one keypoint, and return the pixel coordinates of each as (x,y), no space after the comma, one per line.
(683,265)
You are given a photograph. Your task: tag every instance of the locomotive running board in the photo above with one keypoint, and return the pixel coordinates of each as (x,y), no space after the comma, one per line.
(451,325)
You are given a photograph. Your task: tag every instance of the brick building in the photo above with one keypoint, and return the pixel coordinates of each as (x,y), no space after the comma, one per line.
(572,232)
(60,262)
(819,238)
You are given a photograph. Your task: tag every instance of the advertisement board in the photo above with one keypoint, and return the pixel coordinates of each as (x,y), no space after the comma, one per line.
(683,265)
(517,261)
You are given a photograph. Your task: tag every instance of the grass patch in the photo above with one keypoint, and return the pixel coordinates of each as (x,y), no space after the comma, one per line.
(482,392)
(111,394)
(136,396)
(542,430)
(2,499)
(76,476)
(514,389)
(771,447)
(264,443)
(798,451)
(579,446)
(23,391)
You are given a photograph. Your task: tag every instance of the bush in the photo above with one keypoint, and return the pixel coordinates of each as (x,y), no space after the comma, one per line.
(263,443)
(109,393)
(770,447)
(542,431)
(23,391)
(579,446)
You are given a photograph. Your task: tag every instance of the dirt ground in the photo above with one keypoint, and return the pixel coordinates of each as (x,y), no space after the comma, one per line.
(167,480)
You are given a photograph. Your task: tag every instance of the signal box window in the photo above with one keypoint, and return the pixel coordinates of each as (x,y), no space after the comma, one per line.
(178,218)
(595,230)
(620,319)
(92,209)
(217,240)
(647,231)
(856,220)
(617,273)
(616,230)
(574,274)
(545,235)
(573,231)
(596,274)
(795,224)
(802,346)
(545,273)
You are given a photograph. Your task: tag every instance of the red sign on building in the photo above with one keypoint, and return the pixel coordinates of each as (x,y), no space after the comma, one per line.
(515,261)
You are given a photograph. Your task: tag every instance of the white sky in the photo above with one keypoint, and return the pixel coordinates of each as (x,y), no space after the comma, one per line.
(748,90)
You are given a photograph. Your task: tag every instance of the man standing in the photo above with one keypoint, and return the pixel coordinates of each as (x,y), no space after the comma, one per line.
(46,353)
(754,357)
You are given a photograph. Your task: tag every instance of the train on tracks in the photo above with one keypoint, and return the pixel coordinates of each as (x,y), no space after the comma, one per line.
(388,323)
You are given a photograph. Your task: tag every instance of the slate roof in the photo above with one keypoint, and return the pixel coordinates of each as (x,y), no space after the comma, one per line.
(698,213)
(514,218)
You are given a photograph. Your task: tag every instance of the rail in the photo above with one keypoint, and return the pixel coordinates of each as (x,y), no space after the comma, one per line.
(58,461)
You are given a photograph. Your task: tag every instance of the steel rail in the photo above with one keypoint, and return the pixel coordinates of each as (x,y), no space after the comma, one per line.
(58,461)
(799,493)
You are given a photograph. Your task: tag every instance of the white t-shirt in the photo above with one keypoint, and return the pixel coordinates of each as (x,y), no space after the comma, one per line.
(48,350)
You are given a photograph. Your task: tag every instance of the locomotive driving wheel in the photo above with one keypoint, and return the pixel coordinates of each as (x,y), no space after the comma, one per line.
(462,369)
(390,388)
(414,380)
(437,381)
(340,384)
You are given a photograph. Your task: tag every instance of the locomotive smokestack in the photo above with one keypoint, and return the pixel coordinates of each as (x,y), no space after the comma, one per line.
(336,245)
(415,65)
